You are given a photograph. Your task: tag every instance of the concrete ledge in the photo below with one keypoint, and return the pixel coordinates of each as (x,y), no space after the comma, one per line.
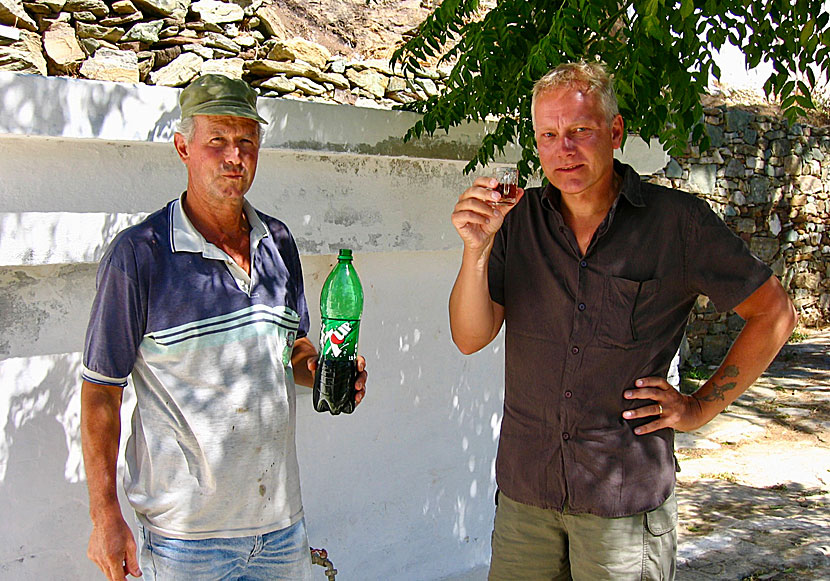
(73,108)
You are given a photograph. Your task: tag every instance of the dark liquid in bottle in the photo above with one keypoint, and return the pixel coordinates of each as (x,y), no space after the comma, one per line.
(334,386)
(508,193)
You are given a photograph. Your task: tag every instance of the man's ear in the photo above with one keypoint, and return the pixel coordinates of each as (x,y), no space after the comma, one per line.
(617,131)
(181,147)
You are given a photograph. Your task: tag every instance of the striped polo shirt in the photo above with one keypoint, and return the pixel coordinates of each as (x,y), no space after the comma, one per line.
(208,350)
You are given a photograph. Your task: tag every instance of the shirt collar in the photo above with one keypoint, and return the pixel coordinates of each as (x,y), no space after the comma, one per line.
(186,238)
(631,188)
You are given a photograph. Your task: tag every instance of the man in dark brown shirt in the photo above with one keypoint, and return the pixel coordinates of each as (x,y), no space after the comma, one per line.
(595,276)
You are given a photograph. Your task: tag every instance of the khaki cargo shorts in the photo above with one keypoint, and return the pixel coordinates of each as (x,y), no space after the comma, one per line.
(530,543)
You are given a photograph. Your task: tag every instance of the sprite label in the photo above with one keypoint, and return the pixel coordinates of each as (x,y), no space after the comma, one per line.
(338,339)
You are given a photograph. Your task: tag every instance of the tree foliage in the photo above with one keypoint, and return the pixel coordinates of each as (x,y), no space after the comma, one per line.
(659,51)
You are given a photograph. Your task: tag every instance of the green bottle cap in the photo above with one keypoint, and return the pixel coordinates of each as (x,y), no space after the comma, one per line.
(345,253)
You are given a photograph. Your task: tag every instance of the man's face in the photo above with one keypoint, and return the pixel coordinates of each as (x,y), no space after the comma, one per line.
(575,142)
(221,157)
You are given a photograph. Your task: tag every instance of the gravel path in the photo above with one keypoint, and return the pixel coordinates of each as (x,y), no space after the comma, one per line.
(754,486)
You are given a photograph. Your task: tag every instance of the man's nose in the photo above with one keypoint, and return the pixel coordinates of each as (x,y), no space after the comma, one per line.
(564,145)
(233,154)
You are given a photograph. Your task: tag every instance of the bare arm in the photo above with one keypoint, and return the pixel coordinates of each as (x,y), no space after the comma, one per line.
(770,319)
(475,319)
(111,544)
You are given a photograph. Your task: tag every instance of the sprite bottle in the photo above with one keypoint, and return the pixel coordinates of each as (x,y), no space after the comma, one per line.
(341,304)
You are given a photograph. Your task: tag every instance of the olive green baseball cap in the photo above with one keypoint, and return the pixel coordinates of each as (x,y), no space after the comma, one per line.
(219,95)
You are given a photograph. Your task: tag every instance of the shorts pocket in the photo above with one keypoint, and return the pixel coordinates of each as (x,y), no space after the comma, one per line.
(663,519)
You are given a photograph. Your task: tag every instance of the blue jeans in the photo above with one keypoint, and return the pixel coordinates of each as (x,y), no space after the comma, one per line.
(278,555)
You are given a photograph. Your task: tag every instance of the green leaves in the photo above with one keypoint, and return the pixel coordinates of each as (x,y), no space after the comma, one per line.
(659,51)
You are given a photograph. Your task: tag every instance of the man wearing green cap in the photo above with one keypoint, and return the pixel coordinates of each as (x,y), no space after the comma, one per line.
(202,307)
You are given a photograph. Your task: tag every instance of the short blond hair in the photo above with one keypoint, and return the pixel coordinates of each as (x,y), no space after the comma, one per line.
(590,77)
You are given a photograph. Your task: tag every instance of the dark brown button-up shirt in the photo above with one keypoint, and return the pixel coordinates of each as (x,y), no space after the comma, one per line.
(581,329)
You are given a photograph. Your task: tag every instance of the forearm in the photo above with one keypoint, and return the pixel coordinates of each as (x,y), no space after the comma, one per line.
(754,349)
(100,436)
(475,319)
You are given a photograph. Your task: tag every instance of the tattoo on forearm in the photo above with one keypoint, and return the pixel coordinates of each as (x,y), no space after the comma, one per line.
(718,391)
(730,371)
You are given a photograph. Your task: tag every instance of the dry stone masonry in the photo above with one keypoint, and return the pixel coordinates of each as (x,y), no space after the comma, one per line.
(768,179)
(170,42)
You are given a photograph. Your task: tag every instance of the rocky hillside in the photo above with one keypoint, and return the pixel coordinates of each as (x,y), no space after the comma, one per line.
(333,50)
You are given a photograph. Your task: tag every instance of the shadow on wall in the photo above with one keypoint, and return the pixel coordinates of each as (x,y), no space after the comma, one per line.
(41,484)
(417,457)
(58,106)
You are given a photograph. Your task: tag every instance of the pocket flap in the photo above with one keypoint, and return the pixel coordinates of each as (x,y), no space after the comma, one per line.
(663,519)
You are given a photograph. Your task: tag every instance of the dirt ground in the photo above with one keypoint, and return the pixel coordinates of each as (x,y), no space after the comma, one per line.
(754,486)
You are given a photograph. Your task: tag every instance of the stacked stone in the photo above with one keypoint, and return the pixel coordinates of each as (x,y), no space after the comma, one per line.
(769,180)
(170,42)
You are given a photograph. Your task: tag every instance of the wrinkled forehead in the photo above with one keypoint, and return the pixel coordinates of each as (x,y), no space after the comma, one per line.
(226,124)
(569,101)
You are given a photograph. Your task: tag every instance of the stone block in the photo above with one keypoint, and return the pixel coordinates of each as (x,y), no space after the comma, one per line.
(145,32)
(369,80)
(298,49)
(745,225)
(279,83)
(737,120)
(217,12)
(702,178)
(735,168)
(24,56)
(172,8)
(97,7)
(764,248)
(233,67)
(12,13)
(809,184)
(61,45)
(714,348)
(108,33)
(715,133)
(112,65)
(179,72)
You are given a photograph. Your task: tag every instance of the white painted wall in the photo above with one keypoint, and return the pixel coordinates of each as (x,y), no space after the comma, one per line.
(403,488)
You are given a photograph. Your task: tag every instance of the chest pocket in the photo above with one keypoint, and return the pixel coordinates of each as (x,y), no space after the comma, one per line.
(627,309)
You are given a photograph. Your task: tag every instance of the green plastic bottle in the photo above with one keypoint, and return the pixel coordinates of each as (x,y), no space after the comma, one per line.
(341,304)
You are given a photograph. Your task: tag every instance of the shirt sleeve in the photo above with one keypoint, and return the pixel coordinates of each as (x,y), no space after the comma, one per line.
(117,320)
(302,306)
(718,263)
(495,267)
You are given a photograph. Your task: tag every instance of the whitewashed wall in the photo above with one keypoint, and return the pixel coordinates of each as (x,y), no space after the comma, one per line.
(403,488)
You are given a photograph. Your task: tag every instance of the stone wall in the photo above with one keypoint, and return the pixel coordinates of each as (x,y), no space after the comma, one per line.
(170,42)
(769,181)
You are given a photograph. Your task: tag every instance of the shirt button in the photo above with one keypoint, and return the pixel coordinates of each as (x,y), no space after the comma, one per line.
(566,436)
(574,350)
(568,394)
(581,306)
(583,264)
